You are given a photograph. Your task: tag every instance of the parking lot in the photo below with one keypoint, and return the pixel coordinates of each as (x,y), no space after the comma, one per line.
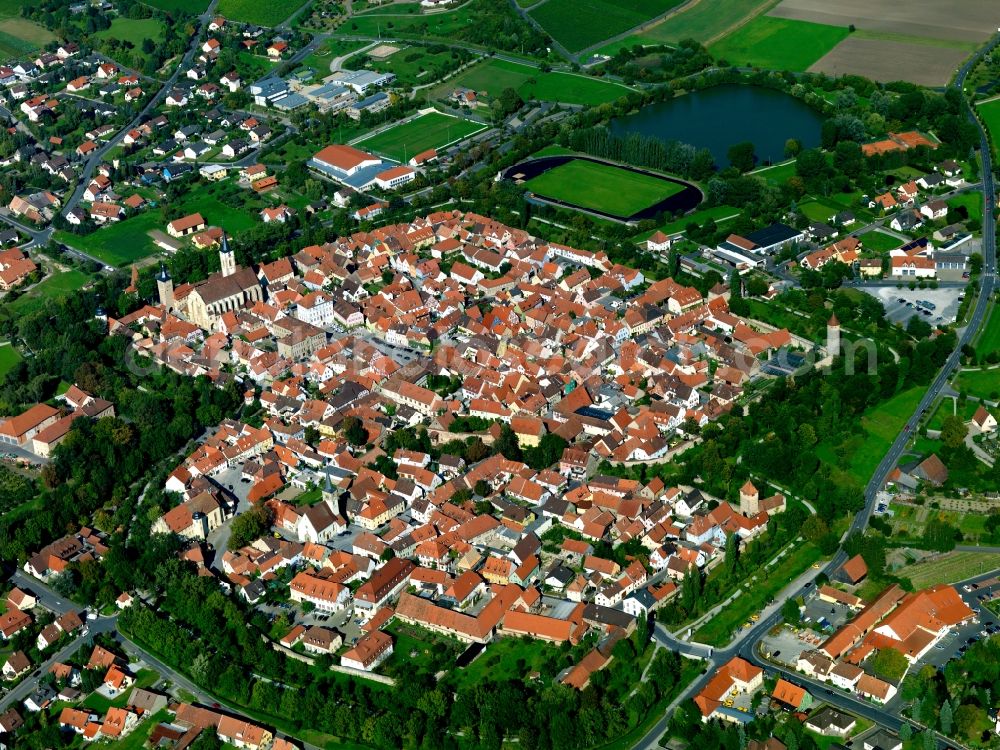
(933,305)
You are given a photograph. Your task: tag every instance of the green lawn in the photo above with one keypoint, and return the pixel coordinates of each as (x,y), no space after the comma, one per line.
(9,357)
(134,30)
(989,339)
(990,113)
(879,242)
(719,630)
(137,739)
(493,76)
(861,454)
(777,173)
(511,659)
(251,66)
(602,187)
(778,43)
(819,209)
(128,241)
(412,66)
(972,202)
(319,60)
(57,286)
(433,130)
(719,214)
(255,11)
(578,24)
(309,497)
(982,383)
(19,36)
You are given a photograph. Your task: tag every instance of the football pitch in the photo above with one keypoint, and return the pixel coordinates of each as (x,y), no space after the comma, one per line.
(602,187)
(433,130)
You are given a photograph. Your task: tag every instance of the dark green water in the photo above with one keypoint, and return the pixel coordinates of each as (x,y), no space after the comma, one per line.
(718,117)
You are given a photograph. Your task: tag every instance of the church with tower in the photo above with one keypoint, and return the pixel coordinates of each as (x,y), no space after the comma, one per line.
(205,302)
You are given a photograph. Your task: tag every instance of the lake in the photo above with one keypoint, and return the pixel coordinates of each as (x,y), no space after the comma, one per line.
(721,116)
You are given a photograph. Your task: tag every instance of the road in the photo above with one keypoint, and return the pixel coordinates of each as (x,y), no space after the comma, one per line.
(98,155)
(746,642)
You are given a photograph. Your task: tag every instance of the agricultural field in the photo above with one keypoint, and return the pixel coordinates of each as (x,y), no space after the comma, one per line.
(433,130)
(601,187)
(493,76)
(887,59)
(989,339)
(193,7)
(56,286)
(134,30)
(19,36)
(778,43)
(969,21)
(706,21)
(990,113)
(254,11)
(948,568)
(579,24)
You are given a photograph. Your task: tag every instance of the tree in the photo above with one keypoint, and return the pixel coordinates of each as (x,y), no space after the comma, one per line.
(506,444)
(732,553)
(790,612)
(355,432)
(814,529)
(969,720)
(945,718)
(248,526)
(889,664)
(953,431)
(741,156)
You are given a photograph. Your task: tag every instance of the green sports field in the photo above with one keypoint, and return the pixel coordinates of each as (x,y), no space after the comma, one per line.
(778,43)
(601,187)
(578,24)
(432,130)
(493,76)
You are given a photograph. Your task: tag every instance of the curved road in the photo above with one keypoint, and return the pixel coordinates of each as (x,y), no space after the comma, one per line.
(746,641)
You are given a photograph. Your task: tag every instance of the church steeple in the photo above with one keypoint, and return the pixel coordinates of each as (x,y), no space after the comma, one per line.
(165,287)
(227,257)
